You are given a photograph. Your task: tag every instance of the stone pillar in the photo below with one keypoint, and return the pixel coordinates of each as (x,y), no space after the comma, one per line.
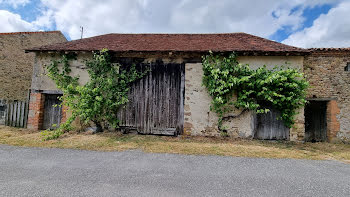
(199,120)
(297,132)
(36,111)
(333,125)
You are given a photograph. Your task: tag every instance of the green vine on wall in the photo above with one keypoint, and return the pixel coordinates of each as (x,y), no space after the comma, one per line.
(282,88)
(98,100)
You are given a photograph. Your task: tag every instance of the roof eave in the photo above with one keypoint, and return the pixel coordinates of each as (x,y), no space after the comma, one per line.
(241,52)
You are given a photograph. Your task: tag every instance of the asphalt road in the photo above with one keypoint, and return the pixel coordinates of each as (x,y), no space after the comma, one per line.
(60,172)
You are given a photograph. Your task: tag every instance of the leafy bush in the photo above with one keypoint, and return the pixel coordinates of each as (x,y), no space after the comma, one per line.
(99,99)
(51,134)
(283,88)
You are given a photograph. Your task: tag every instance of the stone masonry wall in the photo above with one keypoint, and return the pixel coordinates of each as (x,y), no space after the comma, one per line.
(198,119)
(16,66)
(328,80)
(40,80)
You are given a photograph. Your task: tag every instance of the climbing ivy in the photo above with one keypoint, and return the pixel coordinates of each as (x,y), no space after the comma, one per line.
(282,88)
(101,97)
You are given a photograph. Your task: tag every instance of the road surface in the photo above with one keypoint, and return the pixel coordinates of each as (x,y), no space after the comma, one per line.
(64,172)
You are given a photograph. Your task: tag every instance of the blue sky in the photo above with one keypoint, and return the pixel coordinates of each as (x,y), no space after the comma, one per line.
(303,23)
(310,14)
(28,12)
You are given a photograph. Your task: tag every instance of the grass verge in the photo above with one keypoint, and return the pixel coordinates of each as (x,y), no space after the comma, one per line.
(180,145)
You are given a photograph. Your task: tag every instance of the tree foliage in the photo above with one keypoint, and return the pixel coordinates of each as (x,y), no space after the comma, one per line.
(283,88)
(102,96)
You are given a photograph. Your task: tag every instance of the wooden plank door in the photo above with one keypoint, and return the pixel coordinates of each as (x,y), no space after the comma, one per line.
(269,127)
(316,121)
(52,111)
(156,101)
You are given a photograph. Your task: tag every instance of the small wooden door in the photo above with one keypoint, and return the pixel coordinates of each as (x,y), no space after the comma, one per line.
(316,121)
(156,101)
(270,127)
(52,111)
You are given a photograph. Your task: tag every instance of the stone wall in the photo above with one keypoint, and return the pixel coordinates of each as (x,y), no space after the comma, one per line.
(328,81)
(16,66)
(199,120)
(40,80)
(42,84)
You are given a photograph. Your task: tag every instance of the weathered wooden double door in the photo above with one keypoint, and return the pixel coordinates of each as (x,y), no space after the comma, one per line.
(156,101)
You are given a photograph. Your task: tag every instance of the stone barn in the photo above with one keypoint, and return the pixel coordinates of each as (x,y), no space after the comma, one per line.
(16,66)
(327,116)
(170,100)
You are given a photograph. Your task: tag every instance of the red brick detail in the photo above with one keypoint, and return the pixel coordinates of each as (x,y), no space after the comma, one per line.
(36,111)
(333,125)
(64,113)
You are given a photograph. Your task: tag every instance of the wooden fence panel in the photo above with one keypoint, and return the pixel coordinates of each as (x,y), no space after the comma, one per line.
(17,114)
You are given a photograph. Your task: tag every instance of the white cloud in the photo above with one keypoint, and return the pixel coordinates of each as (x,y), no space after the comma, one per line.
(262,18)
(136,16)
(96,18)
(10,22)
(45,20)
(329,30)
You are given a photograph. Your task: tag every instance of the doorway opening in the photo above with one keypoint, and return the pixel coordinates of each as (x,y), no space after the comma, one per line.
(52,111)
(316,121)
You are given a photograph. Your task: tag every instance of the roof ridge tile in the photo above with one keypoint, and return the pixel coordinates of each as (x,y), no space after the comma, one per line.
(29,32)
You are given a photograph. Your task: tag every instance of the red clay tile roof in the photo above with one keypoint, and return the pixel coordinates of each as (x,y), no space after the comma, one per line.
(239,42)
(30,32)
(328,49)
